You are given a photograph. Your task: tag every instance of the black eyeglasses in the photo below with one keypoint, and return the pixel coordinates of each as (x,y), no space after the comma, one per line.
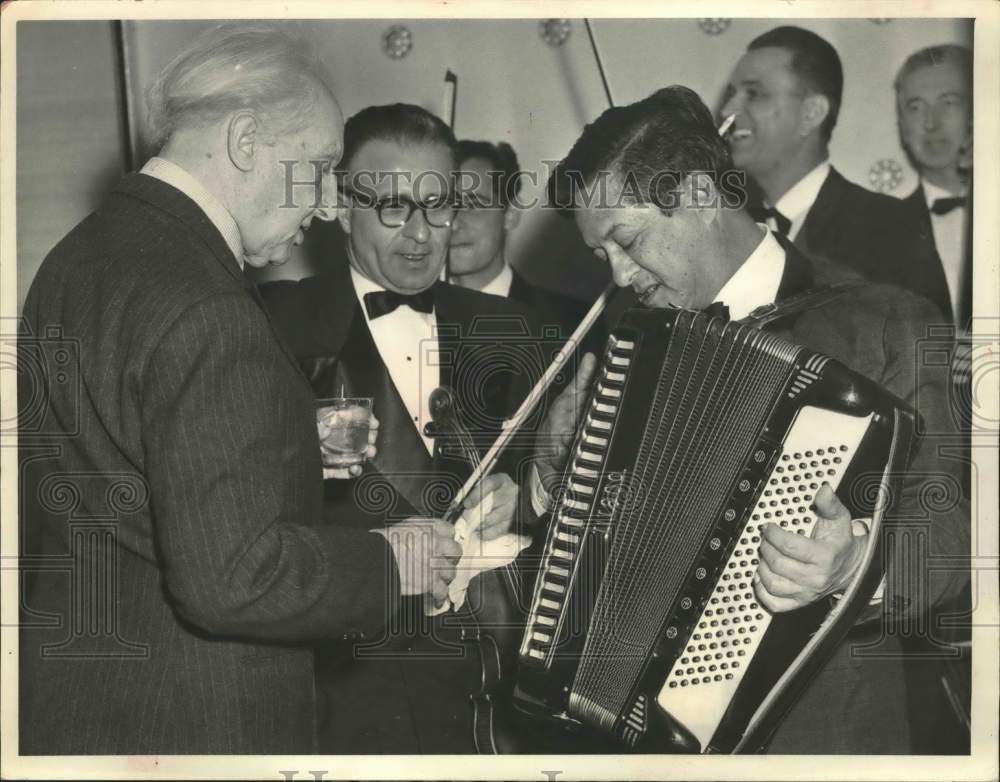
(394,211)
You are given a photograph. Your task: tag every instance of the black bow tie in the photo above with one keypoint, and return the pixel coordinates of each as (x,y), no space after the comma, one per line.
(942,206)
(379,303)
(717,310)
(784,225)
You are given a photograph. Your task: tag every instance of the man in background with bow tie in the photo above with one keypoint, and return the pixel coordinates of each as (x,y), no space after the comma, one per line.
(385,326)
(786,94)
(677,241)
(934,110)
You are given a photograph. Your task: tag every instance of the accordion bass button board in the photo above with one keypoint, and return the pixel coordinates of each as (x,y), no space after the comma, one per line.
(644,627)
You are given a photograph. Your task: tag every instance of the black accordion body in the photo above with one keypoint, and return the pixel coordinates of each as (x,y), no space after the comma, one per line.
(643,625)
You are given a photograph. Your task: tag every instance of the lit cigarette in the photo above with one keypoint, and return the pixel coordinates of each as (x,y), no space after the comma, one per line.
(724,128)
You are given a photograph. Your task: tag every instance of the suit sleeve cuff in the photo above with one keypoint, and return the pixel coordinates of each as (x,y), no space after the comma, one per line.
(859,528)
(541,502)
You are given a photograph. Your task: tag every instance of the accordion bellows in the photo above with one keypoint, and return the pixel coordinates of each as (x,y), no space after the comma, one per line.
(643,624)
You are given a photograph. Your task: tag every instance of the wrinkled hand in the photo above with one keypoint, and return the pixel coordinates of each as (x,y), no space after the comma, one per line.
(558,430)
(500,518)
(796,571)
(426,555)
(335,466)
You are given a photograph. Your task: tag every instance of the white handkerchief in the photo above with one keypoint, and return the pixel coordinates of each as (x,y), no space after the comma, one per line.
(477,554)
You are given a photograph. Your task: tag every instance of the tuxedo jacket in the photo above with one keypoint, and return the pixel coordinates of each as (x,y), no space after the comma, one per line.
(874,235)
(176,565)
(932,279)
(409,691)
(859,701)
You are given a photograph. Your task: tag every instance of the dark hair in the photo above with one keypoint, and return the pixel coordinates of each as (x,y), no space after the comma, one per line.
(649,147)
(814,61)
(937,55)
(402,123)
(502,159)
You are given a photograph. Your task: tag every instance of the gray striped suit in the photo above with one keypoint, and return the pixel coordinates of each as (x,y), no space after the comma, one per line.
(176,562)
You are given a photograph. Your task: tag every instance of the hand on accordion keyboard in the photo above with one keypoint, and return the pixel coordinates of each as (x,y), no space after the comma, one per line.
(556,435)
(796,571)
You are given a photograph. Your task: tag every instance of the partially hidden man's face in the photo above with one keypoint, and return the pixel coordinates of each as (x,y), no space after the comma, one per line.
(768,100)
(657,254)
(935,117)
(277,216)
(480,226)
(409,258)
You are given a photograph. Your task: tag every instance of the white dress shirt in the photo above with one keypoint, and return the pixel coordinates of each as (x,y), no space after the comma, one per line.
(949,239)
(175,176)
(756,282)
(500,285)
(796,203)
(407,342)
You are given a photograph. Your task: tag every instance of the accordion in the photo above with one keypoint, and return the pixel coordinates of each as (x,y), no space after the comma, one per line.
(643,625)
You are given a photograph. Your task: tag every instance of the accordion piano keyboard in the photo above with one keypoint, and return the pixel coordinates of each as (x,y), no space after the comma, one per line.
(576,506)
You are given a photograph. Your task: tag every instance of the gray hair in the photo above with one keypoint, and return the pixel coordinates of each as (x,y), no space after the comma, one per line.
(230,68)
(960,56)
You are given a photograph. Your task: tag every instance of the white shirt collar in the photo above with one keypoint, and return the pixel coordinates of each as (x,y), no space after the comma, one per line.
(500,285)
(363,285)
(175,176)
(933,192)
(756,282)
(796,203)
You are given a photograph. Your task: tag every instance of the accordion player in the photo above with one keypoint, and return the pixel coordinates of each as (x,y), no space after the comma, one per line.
(643,626)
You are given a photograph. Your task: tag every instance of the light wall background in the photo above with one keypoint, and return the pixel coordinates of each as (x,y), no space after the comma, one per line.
(513,86)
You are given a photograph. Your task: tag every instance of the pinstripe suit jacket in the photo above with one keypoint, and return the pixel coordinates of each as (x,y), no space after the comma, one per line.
(176,564)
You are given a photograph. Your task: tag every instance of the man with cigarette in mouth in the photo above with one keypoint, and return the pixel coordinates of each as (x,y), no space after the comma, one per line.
(786,93)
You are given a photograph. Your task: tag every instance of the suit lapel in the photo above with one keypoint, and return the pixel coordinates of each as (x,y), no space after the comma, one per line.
(452,329)
(468,340)
(519,288)
(928,275)
(819,221)
(798,275)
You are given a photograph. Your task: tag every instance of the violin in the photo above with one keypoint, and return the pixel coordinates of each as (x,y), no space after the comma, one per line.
(492,620)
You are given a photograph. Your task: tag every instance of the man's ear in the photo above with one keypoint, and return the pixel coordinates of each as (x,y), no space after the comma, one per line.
(702,195)
(815,109)
(511,217)
(343,212)
(242,140)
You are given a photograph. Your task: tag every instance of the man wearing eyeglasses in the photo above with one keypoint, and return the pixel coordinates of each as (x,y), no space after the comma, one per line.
(384,326)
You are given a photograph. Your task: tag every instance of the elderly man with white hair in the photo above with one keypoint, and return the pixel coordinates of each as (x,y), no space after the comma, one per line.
(172,495)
